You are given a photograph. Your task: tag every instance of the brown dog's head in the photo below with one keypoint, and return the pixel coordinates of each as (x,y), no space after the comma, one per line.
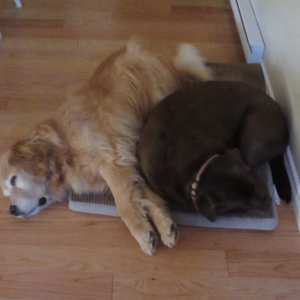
(227,184)
(31,174)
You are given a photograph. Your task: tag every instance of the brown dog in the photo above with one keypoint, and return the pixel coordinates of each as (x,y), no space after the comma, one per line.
(91,143)
(200,145)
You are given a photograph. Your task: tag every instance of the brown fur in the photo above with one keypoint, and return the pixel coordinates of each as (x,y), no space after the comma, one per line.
(91,143)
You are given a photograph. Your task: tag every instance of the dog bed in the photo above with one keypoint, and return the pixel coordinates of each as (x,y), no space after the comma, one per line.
(265,219)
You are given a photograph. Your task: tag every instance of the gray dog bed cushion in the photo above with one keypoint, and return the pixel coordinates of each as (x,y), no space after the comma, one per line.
(265,219)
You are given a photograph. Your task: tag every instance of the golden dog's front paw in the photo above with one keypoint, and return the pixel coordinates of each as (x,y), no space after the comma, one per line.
(148,242)
(159,214)
(168,232)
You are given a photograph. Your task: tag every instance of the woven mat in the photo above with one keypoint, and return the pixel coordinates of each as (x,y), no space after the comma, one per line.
(266,219)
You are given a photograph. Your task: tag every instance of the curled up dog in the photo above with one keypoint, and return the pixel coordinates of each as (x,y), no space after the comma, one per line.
(200,145)
(91,143)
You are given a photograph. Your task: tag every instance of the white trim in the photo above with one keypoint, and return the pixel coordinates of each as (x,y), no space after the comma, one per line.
(288,159)
(18,3)
(249,32)
(269,89)
(293,170)
(253,47)
(295,183)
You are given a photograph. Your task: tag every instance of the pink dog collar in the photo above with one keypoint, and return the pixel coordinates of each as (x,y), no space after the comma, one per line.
(197,179)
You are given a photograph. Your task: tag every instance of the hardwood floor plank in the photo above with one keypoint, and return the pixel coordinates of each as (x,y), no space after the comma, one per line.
(15,126)
(98,49)
(205,3)
(38,258)
(88,230)
(31,23)
(264,265)
(50,48)
(35,9)
(175,31)
(202,14)
(3,103)
(202,287)
(109,30)
(35,98)
(45,71)
(6,5)
(57,285)
(27,48)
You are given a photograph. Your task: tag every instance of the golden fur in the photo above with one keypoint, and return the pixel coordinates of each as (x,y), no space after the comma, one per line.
(91,143)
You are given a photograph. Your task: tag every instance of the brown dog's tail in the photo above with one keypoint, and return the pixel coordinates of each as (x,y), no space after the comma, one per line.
(281,179)
(189,60)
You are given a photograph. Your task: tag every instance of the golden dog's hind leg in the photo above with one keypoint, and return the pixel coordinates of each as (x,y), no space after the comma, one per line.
(129,201)
(161,218)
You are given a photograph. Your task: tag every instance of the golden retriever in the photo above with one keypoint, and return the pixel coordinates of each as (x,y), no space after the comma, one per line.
(91,143)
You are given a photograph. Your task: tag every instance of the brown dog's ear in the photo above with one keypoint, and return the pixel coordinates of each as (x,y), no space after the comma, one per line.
(206,207)
(235,156)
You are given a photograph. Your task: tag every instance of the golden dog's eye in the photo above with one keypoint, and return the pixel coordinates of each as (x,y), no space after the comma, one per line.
(13,181)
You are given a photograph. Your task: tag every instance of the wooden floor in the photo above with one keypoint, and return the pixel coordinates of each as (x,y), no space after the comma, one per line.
(49,48)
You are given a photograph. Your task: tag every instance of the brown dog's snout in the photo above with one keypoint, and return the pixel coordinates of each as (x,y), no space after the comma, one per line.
(13,210)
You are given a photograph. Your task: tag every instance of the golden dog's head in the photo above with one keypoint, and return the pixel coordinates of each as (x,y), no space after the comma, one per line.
(31,175)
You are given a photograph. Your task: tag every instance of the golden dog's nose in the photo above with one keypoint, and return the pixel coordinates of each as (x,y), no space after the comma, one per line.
(13,210)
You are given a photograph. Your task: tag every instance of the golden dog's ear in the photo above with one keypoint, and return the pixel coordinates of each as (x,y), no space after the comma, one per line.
(48,130)
(38,157)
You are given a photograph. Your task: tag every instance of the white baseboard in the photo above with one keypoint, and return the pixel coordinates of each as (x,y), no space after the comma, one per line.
(294,179)
(253,47)
(249,32)
(18,3)
(288,159)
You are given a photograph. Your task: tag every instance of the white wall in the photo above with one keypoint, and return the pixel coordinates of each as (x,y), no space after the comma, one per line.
(279,22)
